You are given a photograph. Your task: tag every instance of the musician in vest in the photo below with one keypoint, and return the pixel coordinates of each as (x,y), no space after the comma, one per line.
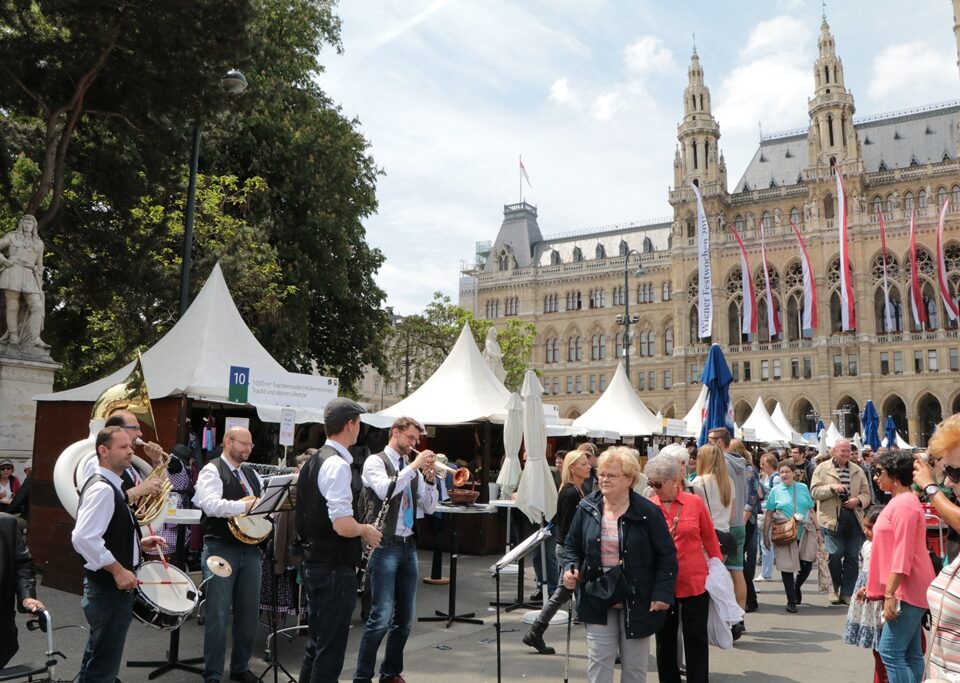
(331,536)
(392,569)
(134,485)
(108,538)
(226,487)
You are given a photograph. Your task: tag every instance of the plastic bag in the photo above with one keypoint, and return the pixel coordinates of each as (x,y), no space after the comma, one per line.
(724,610)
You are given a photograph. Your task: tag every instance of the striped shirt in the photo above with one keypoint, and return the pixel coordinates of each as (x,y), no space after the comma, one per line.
(944,598)
(844,473)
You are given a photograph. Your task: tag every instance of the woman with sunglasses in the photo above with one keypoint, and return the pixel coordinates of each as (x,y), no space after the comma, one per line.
(9,485)
(900,569)
(695,539)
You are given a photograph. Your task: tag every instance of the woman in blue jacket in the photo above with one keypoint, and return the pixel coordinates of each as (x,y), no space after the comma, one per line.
(615,529)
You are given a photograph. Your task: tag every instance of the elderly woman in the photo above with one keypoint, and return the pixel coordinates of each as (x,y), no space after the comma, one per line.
(695,539)
(900,569)
(620,557)
(9,484)
(790,499)
(575,470)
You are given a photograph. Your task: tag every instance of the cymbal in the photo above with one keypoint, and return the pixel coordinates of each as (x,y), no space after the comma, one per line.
(219,566)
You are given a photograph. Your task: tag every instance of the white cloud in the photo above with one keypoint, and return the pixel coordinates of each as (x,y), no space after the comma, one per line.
(913,72)
(561,93)
(648,55)
(782,36)
(606,106)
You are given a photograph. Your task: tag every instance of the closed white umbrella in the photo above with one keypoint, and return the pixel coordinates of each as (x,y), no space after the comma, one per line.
(537,492)
(510,469)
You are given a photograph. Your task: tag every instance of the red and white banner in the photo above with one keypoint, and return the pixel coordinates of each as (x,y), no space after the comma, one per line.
(773,315)
(749,324)
(523,173)
(809,289)
(705,295)
(848,316)
(889,325)
(948,301)
(916,294)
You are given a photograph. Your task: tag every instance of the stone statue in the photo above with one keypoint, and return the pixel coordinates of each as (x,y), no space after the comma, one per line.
(21,279)
(777,217)
(493,355)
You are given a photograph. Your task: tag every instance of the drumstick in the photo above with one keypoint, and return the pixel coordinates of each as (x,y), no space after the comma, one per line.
(141,582)
(159,550)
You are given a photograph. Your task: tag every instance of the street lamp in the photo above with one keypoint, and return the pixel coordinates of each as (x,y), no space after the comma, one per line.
(233,83)
(624,318)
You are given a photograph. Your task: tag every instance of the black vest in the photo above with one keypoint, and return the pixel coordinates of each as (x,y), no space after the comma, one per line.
(321,544)
(122,532)
(371,503)
(232,490)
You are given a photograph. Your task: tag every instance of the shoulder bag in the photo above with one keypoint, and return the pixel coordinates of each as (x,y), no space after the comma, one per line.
(612,586)
(785,533)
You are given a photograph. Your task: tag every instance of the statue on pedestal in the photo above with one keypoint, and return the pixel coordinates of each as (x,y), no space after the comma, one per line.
(21,279)
(493,355)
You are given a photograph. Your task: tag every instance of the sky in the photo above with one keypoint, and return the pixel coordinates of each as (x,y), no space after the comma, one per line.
(450,93)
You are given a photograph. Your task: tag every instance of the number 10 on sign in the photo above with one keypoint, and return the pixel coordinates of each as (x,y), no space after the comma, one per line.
(239,384)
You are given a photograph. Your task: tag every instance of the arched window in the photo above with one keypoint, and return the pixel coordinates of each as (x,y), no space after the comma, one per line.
(877,204)
(896,320)
(603,347)
(795,216)
(890,204)
(624,247)
(504,261)
(600,251)
(735,323)
(643,344)
(922,199)
(766,220)
(618,345)
(738,223)
(694,324)
(955,196)
(908,201)
(794,321)
(577,254)
(836,322)
(828,208)
(595,347)
(647,245)
(668,342)
(941,197)
(554,258)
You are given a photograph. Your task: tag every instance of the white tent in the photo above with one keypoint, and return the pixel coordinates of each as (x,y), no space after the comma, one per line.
(694,418)
(195,356)
(763,426)
(780,419)
(901,444)
(833,435)
(463,389)
(618,410)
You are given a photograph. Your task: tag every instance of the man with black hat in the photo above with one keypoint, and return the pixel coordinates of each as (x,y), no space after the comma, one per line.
(327,492)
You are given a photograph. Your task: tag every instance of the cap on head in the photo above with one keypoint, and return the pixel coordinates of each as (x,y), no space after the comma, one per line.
(341,409)
(6,463)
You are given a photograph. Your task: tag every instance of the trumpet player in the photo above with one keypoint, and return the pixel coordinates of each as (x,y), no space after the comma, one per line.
(392,569)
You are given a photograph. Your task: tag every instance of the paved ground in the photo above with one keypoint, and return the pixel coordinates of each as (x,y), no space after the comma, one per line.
(778,647)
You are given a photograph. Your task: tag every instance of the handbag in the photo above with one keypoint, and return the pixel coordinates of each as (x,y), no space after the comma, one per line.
(785,533)
(612,587)
(728,544)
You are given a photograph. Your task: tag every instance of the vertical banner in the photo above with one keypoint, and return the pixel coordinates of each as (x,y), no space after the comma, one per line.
(809,286)
(888,323)
(705,295)
(848,316)
(948,301)
(749,292)
(916,294)
(773,315)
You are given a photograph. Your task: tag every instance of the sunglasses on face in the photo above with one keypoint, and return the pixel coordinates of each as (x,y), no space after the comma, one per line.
(952,472)
(656,484)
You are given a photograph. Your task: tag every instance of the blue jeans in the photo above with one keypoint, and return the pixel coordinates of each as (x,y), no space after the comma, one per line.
(109,612)
(332,597)
(553,568)
(766,559)
(844,548)
(393,597)
(900,645)
(240,592)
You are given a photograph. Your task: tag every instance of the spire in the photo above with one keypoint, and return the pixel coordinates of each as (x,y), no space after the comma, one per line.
(699,132)
(695,72)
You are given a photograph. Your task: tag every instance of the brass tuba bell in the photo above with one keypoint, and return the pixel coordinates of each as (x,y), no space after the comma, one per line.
(130,394)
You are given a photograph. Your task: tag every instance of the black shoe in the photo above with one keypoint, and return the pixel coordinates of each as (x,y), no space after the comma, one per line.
(537,596)
(799,596)
(245,677)
(738,630)
(534,638)
(792,608)
(751,607)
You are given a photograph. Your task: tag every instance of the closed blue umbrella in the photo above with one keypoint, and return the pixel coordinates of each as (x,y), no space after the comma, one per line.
(820,426)
(716,378)
(890,431)
(871,426)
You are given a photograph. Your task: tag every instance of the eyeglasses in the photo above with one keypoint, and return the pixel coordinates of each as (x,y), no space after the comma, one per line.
(132,428)
(656,484)
(248,444)
(952,472)
(607,475)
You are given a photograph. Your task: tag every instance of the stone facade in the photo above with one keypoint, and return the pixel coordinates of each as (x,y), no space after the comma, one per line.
(573,286)
(20,381)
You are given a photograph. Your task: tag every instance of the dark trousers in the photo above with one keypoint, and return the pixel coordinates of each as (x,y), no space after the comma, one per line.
(690,614)
(438,523)
(109,612)
(750,559)
(844,548)
(332,593)
(791,583)
(8,638)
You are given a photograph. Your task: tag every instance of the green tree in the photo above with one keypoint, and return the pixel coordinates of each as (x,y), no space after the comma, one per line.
(516,341)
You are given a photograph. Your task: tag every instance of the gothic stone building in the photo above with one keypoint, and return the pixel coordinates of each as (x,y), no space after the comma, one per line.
(572,286)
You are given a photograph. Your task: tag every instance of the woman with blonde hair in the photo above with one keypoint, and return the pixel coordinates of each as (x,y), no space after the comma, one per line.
(714,485)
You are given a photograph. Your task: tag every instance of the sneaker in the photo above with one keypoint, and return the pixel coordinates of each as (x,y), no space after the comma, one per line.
(538,595)
(758,579)
(791,608)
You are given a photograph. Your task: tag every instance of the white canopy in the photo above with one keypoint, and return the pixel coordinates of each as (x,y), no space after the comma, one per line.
(512,436)
(833,435)
(463,389)
(195,356)
(694,418)
(783,424)
(901,444)
(537,492)
(618,410)
(763,426)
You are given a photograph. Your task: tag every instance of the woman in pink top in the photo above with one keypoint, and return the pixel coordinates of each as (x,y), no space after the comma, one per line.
(900,569)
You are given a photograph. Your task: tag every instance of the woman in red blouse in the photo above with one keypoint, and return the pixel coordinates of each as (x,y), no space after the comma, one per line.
(693,534)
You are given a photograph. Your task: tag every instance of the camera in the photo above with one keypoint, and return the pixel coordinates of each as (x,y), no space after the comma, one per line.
(844,496)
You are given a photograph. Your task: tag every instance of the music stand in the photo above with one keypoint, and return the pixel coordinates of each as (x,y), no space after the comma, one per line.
(524,548)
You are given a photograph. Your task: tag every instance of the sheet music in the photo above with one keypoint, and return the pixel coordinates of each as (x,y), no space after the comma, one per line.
(273,495)
(524,548)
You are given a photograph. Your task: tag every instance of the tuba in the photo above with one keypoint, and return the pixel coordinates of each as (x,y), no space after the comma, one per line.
(71,469)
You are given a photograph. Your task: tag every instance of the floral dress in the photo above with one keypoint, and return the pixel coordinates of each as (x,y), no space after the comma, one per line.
(862,627)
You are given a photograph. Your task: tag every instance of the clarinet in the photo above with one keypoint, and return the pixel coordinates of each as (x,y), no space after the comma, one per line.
(378,525)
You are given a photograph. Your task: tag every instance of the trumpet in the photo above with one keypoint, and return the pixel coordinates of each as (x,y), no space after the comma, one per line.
(149,507)
(461,475)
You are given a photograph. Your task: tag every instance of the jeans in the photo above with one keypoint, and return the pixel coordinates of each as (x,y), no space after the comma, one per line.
(792,584)
(553,567)
(603,642)
(844,548)
(750,559)
(558,598)
(240,592)
(393,591)
(900,645)
(690,614)
(766,559)
(108,612)
(332,596)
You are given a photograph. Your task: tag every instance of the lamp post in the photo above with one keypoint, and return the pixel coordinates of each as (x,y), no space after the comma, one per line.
(624,318)
(233,83)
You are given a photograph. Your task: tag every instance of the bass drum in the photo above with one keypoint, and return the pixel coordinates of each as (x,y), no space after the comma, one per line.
(165,597)
(76,464)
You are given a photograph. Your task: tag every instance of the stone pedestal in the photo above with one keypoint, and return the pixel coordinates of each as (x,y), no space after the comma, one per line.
(20,380)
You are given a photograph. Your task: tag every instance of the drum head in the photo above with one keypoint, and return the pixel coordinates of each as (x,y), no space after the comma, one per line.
(167,598)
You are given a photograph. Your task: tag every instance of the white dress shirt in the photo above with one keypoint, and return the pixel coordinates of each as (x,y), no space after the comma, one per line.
(334,480)
(209,493)
(92,467)
(93,518)
(375,476)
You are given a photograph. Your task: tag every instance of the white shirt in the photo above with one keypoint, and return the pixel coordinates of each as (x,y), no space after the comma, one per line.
(375,476)
(209,493)
(93,518)
(333,481)
(92,467)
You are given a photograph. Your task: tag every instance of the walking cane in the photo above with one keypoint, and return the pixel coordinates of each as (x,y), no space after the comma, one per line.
(566,663)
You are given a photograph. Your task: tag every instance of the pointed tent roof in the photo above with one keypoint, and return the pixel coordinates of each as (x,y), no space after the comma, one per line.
(463,389)
(195,356)
(783,424)
(694,418)
(833,435)
(619,410)
(763,426)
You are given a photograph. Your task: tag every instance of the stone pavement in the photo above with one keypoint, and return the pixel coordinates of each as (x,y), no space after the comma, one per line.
(777,648)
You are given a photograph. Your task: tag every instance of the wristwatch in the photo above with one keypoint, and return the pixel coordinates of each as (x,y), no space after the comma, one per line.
(931,490)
